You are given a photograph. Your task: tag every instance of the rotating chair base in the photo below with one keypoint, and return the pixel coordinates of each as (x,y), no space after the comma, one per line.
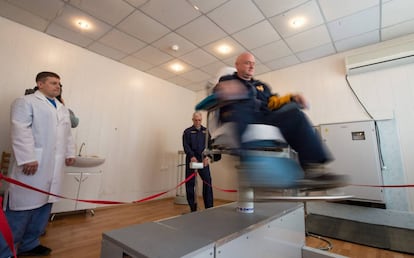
(307,198)
(279,171)
(327,189)
(308,186)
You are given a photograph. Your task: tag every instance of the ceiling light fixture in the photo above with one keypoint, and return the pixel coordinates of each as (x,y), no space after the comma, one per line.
(224,49)
(193,5)
(297,22)
(176,67)
(175,47)
(83,24)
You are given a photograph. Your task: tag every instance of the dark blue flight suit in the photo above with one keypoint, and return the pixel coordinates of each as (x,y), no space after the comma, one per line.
(194,143)
(291,121)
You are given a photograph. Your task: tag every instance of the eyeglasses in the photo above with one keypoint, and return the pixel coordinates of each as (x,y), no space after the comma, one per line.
(249,63)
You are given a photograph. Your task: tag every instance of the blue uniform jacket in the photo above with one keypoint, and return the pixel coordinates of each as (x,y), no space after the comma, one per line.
(258,91)
(194,142)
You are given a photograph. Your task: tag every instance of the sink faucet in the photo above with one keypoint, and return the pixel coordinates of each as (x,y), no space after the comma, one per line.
(80,149)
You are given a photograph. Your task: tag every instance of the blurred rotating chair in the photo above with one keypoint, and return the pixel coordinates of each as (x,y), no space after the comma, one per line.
(266,160)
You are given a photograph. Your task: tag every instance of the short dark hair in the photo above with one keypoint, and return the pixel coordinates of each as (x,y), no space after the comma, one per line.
(43,75)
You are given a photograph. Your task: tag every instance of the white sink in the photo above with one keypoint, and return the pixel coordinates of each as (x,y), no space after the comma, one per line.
(88,161)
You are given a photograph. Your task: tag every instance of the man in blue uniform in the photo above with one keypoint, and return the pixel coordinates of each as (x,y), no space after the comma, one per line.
(194,143)
(264,107)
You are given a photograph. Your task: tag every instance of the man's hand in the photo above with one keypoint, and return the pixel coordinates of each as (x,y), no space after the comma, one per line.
(30,168)
(206,161)
(193,159)
(300,100)
(69,161)
(231,89)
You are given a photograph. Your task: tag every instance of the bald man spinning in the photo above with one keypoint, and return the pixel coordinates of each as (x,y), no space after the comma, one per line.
(264,107)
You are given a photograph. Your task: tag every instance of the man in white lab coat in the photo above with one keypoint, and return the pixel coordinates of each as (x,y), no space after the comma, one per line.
(42,144)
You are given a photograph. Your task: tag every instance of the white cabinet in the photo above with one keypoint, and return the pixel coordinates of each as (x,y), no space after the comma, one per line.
(355,149)
(83,185)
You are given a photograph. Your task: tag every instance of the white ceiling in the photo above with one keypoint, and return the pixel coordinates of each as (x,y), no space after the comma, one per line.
(140,33)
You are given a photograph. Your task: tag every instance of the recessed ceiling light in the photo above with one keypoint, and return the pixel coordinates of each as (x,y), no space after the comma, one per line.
(297,22)
(224,49)
(175,47)
(193,5)
(177,67)
(83,24)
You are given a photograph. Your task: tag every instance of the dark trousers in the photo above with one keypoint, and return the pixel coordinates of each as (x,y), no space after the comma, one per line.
(299,133)
(207,190)
(294,126)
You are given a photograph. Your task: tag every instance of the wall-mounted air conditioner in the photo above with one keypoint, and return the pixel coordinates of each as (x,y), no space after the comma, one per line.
(382,58)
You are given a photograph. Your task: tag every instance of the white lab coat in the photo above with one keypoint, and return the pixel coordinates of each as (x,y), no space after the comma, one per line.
(39,132)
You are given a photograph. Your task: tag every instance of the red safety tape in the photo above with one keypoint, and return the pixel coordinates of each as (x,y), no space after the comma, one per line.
(16,182)
(7,234)
(4,225)
(386,186)
(380,186)
(5,229)
(221,189)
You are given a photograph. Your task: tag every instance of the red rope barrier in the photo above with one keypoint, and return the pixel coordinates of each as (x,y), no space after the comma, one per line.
(221,189)
(386,186)
(16,182)
(7,234)
(4,225)
(5,230)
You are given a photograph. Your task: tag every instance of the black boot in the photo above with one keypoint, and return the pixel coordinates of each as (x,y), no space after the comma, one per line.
(193,207)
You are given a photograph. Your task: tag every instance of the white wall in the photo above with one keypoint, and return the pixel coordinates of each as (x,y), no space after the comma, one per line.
(131,118)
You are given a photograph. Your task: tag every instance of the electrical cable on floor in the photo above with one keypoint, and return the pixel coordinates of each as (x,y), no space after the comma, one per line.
(330,245)
(327,248)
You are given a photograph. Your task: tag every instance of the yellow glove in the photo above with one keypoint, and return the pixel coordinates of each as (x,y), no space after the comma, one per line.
(276,102)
